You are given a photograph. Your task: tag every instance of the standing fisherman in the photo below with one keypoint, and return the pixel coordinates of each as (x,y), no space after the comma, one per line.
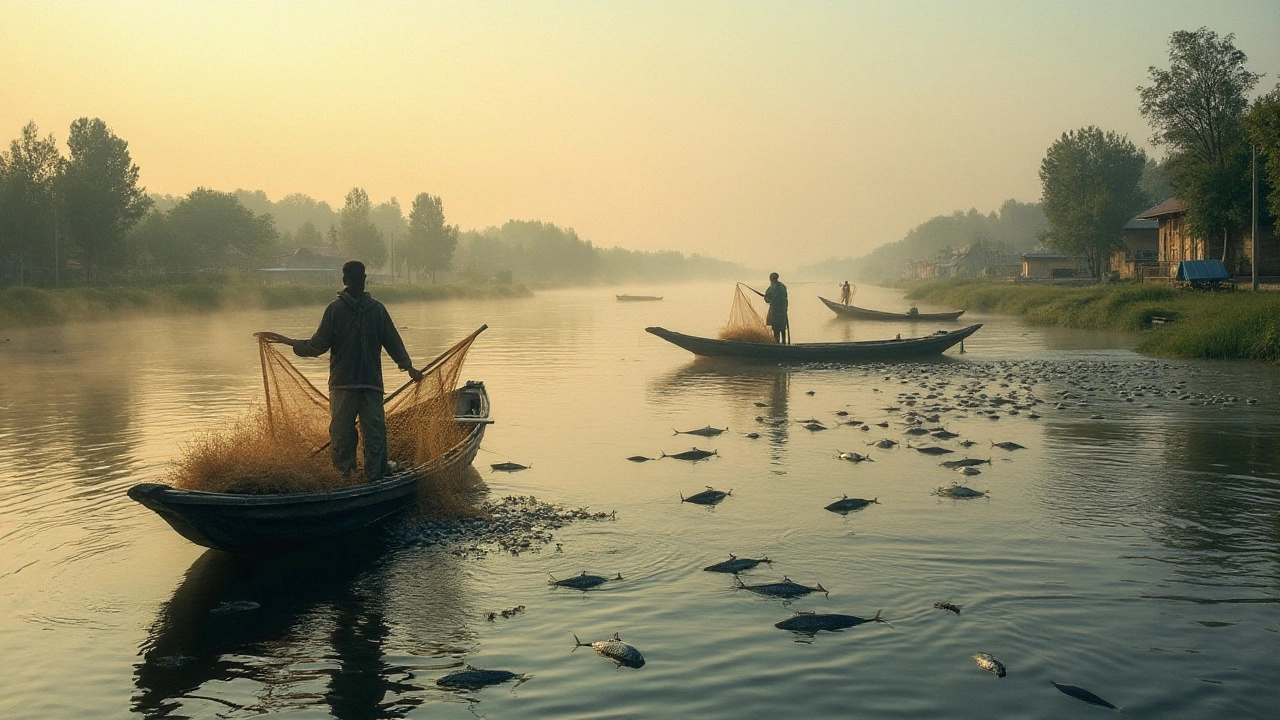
(776,298)
(354,330)
(846,293)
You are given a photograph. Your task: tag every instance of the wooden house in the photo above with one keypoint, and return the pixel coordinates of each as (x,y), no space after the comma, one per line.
(1176,243)
(1141,240)
(1047,265)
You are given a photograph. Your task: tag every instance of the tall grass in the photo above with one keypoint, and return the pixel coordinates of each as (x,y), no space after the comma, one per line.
(1238,325)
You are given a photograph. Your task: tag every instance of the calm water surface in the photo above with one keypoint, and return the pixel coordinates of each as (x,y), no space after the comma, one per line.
(1132,549)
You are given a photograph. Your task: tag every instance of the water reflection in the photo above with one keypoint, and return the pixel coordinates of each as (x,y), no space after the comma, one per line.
(298,629)
(759,394)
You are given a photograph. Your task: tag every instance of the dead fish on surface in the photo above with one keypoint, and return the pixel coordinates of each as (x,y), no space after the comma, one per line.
(884,443)
(932,450)
(959,492)
(760,404)
(811,622)
(736,564)
(784,589)
(945,434)
(234,606)
(848,504)
(583,581)
(953,464)
(988,662)
(1080,693)
(709,496)
(707,431)
(753,435)
(853,457)
(915,431)
(509,466)
(969,471)
(614,649)
(640,458)
(882,424)
(947,606)
(692,455)
(967,443)
(815,426)
(1008,446)
(473,678)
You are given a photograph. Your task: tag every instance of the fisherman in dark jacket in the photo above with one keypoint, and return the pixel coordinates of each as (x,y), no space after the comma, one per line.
(354,330)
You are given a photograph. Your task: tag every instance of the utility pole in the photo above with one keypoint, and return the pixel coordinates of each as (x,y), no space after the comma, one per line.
(56,264)
(1253,197)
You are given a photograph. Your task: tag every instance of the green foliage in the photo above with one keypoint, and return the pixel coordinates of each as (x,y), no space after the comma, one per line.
(100,191)
(1263,125)
(358,237)
(1195,108)
(28,175)
(430,243)
(208,226)
(1090,181)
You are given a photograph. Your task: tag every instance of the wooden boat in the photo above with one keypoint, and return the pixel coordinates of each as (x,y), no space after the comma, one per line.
(899,349)
(235,522)
(638,298)
(853,311)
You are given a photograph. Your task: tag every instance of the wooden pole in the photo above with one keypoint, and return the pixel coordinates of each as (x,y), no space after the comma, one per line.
(1253,232)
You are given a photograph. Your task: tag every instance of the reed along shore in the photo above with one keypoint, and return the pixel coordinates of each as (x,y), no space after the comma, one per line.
(1197,324)
(26,307)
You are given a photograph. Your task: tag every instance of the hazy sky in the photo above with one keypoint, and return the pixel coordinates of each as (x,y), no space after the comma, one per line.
(772,133)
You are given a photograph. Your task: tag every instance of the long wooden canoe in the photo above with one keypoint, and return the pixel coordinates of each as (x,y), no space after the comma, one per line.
(890,350)
(235,522)
(853,311)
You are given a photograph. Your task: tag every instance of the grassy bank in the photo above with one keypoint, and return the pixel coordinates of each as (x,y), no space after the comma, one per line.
(36,307)
(1241,325)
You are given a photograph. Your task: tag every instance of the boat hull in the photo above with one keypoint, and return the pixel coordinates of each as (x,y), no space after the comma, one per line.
(638,298)
(852,311)
(239,523)
(872,350)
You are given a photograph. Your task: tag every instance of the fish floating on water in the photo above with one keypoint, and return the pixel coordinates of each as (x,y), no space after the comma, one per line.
(945,434)
(810,622)
(234,606)
(853,457)
(784,589)
(710,496)
(932,450)
(692,455)
(988,662)
(614,649)
(947,606)
(814,426)
(473,678)
(959,492)
(967,443)
(707,431)
(915,431)
(753,435)
(583,581)
(1080,693)
(847,504)
(640,458)
(953,464)
(1008,445)
(509,467)
(736,564)
(969,471)
(885,443)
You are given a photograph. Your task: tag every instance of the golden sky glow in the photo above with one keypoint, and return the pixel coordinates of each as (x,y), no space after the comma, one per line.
(769,133)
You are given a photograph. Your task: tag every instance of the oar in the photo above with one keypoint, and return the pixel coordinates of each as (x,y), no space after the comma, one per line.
(441,358)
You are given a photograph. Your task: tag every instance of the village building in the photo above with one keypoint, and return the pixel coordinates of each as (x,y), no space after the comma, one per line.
(1051,265)
(1141,248)
(1176,243)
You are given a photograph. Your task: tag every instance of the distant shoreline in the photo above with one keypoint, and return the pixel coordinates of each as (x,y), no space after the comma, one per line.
(1173,322)
(27,307)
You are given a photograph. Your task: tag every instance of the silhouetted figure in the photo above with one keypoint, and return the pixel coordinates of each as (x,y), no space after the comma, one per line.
(776,298)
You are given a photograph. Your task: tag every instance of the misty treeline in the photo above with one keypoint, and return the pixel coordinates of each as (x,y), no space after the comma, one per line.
(84,218)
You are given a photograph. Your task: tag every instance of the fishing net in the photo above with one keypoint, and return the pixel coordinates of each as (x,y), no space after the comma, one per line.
(745,324)
(282,446)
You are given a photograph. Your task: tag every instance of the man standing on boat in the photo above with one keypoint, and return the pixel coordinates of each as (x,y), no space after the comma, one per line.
(846,293)
(354,330)
(776,298)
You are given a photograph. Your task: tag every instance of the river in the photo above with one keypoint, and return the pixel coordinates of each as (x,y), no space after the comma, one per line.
(1132,548)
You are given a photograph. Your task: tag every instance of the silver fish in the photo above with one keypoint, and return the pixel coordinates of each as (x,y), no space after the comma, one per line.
(814,426)
(614,649)
(959,492)
(811,623)
(709,496)
(847,504)
(735,564)
(933,450)
(707,431)
(784,589)
(692,455)
(945,434)
(473,678)
(969,470)
(1008,445)
(988,662)
(953,464)
(583,581)
(884,443)
(853,456)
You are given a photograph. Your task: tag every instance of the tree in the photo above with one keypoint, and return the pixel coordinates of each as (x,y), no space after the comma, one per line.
(29,173)
(431,243)
(100,192)
(358,237)
(209,227)
(1263,125)
(308,235)
(1195,109)
(1090,190)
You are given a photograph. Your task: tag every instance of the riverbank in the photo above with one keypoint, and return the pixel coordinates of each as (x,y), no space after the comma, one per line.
(1174,322)
(25,307)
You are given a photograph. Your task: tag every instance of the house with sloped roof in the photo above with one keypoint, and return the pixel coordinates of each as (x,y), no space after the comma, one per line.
(1140,240)
(1177,243)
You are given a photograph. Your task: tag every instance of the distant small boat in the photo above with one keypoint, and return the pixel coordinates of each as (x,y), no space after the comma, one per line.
(864,314)
(638,298)
(883,350)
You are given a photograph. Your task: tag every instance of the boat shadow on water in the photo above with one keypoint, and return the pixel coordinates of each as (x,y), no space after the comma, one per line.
(306,626)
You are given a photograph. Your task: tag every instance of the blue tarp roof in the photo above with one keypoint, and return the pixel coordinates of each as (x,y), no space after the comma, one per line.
(1202,270)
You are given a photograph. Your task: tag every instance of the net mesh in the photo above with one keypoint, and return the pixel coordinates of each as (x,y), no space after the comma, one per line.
(745,324)
(281,447)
